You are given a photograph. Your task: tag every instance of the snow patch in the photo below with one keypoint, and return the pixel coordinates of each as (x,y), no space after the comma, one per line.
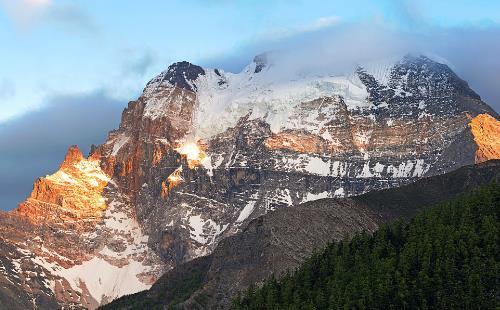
(410,168)
(204,231)
(206,162)
(327,136)
(269,95)
(119,142)
(365,173)
(317,165)
(339,192)
(247,210)
(311,196)
(105,280)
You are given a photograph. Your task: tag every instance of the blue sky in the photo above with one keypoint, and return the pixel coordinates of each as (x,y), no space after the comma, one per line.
(68,67)
(61,47)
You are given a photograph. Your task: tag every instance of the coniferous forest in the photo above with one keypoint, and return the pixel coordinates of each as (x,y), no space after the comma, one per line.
(447,257)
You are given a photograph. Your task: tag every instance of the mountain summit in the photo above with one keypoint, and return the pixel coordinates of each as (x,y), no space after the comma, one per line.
(202,152)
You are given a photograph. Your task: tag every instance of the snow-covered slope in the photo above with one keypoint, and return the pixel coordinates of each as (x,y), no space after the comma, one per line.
(223,97)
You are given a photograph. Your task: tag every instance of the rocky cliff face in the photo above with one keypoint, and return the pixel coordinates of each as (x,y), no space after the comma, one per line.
(74,242)
(202,152)
(282,240)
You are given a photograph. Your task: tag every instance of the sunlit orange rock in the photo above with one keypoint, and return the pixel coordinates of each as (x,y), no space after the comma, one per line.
(486,131)
(174,179)
(73,156)
(73,193)
(193,153)
(160,148)
(299,142)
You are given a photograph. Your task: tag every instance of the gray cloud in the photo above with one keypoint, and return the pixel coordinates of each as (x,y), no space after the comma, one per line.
(35,144)
(73,16)
(407,12)
(138,64)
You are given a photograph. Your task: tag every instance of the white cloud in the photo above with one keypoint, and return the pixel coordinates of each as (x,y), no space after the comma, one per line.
(315,25)
(471,52)
(322,22)
(25,13)
(38,2)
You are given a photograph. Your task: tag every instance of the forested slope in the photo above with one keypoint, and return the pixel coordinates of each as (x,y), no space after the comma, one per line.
(447,257)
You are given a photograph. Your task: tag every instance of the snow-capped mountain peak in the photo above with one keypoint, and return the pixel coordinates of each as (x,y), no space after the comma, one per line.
(202,152)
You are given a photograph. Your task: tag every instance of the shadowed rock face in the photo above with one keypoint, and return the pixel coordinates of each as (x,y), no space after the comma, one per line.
(201,153)
(180,74)
(281,240)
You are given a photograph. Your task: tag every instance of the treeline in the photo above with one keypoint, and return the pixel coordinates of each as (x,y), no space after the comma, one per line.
(447,257)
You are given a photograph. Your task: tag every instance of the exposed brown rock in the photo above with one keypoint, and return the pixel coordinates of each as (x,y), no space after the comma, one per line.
(73,193)
(160,148)
(486,131)
(298,142)
(73,156)
(174,179)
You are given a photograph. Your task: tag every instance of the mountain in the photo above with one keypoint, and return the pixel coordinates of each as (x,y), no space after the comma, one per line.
(203,152)
(445,258)
(280,241)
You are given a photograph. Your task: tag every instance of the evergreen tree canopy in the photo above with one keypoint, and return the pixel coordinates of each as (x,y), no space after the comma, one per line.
(447,257)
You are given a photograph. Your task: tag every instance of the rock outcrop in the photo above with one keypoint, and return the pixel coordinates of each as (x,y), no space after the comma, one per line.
(72,194)
(486,132)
